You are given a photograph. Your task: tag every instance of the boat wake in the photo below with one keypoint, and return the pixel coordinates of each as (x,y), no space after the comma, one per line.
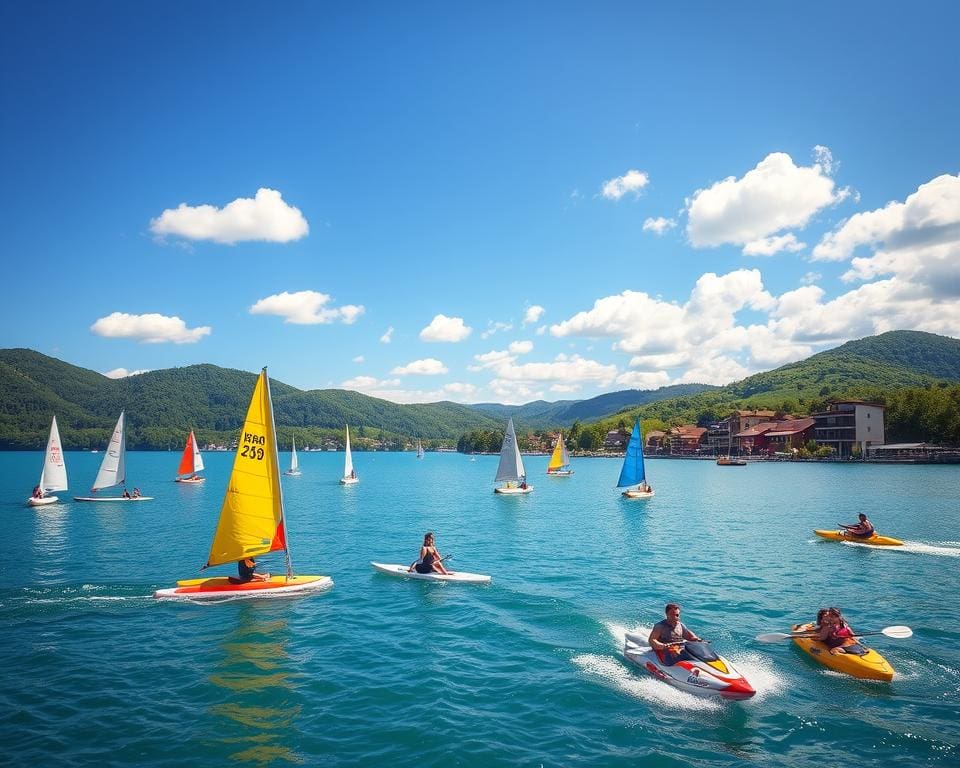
(944,549)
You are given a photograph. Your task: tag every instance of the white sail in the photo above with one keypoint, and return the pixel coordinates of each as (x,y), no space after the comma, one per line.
(348,458)
(511,465)
(419,449)
(197,458)
(112,469)
(294,462)
(53,476)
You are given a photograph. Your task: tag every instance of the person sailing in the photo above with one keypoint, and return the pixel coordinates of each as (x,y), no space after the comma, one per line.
(247,569)
(862,530)
(667,636)
(430,559)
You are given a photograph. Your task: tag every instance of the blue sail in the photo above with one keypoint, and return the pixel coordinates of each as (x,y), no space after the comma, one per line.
(633,472)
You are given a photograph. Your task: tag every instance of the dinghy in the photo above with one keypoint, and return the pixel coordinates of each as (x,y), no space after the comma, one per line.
(53,476)
(113,469)
(559,465)
(349,473)
(252,518)
(294,470)
(510,470)
(633,471)
(191,462)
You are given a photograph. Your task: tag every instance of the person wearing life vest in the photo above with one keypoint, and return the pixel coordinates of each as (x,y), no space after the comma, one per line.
(834,632)
(667,637)
(862,530)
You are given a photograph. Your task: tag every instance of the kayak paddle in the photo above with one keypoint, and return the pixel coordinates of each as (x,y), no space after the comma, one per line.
(899,632)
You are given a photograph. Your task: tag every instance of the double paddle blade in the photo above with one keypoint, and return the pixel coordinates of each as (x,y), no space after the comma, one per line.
(900,632)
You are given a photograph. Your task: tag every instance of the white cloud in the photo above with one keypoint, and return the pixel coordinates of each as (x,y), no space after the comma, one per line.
(148,329)
(426,367)
(565,389)
(306,308)
(533,314)
(773,196)
(643,379)
(122,373)
(389,389)
(493,328)
(521,347)
(358,359)
(443,328)
(658,225)
(516,381)
(387,336)
(632,181)
(541,330)
(810,278)
(266,217)
(768,246)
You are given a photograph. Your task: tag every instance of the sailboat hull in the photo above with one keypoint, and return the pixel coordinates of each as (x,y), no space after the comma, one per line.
(42,502)
(112,498)
(514,490)
(292,473)
(560,473)
(349,480)
(191,480)
(221,588)
(634,494)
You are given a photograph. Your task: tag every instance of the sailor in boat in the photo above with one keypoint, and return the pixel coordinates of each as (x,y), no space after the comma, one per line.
(136,493)
(666,636)
(125,494)
(862,530)
(247,568)
(430,560)
(645,487)
(523,483)
(37,492)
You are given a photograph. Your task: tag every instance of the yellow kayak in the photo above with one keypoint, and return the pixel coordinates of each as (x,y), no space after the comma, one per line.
(876,540)
(870,666)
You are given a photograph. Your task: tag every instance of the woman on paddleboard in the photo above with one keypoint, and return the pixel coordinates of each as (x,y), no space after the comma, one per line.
(430,559)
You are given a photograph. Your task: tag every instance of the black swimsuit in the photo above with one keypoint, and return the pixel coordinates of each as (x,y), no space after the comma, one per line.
(426,565)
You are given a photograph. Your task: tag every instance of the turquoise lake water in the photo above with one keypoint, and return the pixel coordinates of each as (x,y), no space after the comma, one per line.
(526,671)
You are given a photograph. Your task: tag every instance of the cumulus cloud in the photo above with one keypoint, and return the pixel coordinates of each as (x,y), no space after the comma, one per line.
(521,347)
(515,382)
(769,246)
(533,314)
(306,308)
(358,359)
(389,389)
(443,328)
(426,367)
(122,373)
(632,181)
(387,336)
(774,196)
(148,329)
(265,217)
(658,225)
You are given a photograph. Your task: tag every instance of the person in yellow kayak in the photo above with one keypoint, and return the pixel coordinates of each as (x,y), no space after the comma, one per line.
(834,632)
(862,530)
(667,636)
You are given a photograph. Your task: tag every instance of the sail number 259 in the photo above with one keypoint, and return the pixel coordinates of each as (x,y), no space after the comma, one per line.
(253,446)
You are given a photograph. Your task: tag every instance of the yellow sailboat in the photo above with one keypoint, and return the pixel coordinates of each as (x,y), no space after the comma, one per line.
(559,465)
(251,519)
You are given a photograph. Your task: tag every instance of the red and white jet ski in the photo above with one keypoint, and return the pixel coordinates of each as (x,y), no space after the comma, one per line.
(700,670)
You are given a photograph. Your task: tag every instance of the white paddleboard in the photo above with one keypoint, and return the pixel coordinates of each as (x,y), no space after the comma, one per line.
(393,569)
(112,498)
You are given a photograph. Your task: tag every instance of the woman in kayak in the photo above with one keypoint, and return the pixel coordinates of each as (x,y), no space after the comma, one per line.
(667,636)
(834,632)
(862,530)
(430,559)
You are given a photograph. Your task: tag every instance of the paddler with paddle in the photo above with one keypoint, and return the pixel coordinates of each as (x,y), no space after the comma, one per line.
(862,530)
(667,637)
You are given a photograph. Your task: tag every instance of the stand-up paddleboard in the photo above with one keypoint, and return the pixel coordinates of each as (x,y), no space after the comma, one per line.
(393,569)
(221,587)
(875,540)
(252,520)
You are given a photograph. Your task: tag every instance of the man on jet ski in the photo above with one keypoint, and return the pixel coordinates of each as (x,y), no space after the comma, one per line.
(667,636)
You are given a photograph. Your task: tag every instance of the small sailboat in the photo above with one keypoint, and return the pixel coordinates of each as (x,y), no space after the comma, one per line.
(419,449)
(252,520)
(191,462)
(559,465)
(511,468)
(728,460)
(294,470)
(113,469)
(633,472)
(349,473)
(53,476)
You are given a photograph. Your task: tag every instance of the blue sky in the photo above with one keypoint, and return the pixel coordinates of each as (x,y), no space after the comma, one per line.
(476,202)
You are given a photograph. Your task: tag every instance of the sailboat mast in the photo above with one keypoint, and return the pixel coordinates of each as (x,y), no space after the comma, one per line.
(276,474)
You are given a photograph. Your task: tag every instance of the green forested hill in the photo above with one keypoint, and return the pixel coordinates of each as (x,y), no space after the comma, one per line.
(162,405)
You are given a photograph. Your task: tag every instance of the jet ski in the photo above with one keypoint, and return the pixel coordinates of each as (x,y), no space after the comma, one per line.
(700,670)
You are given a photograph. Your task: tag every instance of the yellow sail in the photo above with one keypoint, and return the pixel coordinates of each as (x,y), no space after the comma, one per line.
(557,460)
(251,518)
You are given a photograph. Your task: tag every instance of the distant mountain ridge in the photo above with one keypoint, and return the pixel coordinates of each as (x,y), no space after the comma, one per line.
(162,405)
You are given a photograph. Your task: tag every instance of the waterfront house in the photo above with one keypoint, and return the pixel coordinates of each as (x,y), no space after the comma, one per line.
(850,427)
